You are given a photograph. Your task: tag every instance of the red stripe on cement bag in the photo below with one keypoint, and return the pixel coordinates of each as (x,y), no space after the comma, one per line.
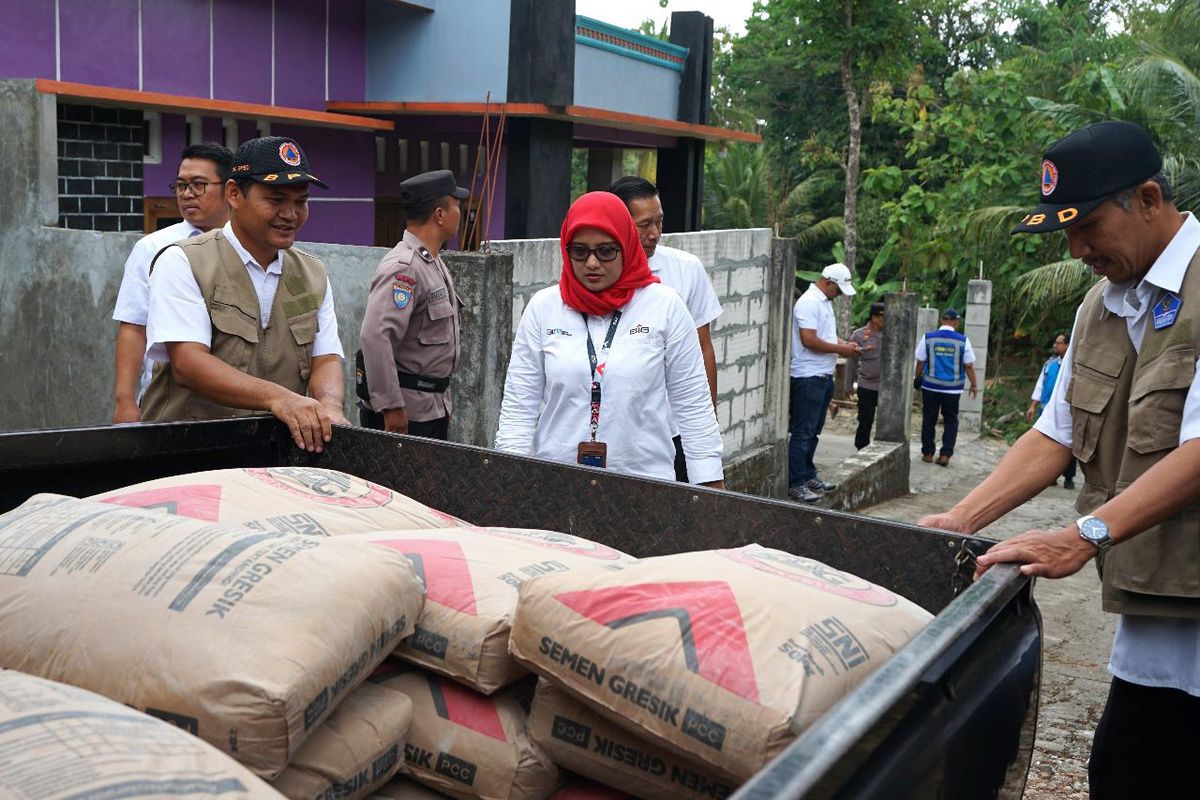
(578,788)
(247,638)
(356,751)
(304,500)
(402,788)
(471,578)
(467,744)
(59,741)
(583,741)
(724,655)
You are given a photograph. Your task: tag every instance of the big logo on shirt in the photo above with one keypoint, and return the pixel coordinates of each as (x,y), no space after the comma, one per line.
(638,330)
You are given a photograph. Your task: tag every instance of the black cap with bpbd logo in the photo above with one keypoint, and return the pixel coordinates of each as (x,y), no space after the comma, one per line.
(1084,168)
(273,160)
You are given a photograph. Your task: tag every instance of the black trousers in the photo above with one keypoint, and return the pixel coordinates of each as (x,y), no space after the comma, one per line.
(868,401)
(430,429)
(931,404)
(1145,745)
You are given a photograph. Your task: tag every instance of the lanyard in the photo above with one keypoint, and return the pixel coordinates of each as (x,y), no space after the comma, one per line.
(594,361)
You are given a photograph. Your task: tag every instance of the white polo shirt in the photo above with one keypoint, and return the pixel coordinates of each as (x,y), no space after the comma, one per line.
(178,312)
(653,371)
(685,273)
(133,298)
(1148,651)
(814,311)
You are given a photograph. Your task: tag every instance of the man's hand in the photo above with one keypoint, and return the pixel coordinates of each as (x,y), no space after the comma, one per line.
(974,390)
(126,411)
(850,349)
(395,420)
(1050,554)
(1029,412)
(309,422)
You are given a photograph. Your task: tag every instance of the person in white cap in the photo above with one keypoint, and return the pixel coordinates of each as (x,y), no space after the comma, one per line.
(815,348)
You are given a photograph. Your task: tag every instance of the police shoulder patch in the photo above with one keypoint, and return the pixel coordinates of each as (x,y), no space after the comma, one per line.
(401,294)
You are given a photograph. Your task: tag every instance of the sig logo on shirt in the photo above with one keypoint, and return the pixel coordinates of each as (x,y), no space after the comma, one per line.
(557,332)
(639,330)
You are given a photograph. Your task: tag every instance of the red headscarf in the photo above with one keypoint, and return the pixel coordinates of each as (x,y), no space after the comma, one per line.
(606,212)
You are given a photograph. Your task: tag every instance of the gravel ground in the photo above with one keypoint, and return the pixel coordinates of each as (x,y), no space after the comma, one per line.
(1077,635)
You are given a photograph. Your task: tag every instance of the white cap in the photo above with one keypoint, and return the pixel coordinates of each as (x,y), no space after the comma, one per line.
(839,274)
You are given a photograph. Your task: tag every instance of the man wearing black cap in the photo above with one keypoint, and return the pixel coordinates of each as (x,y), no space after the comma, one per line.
(410,330)
(945,360)
(1126,406)
(239,320)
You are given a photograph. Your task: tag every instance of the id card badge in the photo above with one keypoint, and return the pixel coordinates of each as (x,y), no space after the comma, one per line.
(592,454)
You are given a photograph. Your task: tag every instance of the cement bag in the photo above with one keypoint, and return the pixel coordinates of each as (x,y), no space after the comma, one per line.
(467,744)
(577,788)
(583,741)
(356,751)
(723,655)
(58,741)
(246,638)
(471,578)
(306,500)
(402,788)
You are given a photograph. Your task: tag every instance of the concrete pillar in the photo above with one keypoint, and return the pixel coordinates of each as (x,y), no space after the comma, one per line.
(893,419)
(680,180)
(538,190)
(977,319)
(604,167)
(927,320)
(784,254)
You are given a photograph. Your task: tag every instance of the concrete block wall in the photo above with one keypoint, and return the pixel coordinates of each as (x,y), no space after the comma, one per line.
(976,321)
(100,168)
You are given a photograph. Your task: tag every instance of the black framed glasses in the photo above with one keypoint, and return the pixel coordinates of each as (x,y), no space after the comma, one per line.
(581,252)
(198,187)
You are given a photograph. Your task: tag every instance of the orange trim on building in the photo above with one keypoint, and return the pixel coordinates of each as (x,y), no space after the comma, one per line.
(582,114)
(181,104)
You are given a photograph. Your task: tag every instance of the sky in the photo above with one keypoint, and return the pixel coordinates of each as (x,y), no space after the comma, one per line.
(630,13)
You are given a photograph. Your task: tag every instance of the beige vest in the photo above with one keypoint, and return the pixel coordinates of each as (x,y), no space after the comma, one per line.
(1126,411)
(281,353)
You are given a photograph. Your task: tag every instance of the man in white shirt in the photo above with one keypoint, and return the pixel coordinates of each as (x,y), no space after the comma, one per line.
(815,348)
(1126,405)
(681,271)
(240,321)
(198,189)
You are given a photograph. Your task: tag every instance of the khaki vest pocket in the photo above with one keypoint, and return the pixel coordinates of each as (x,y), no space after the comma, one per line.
(304,332)
(234,335)
(1156,400)
(1088,394)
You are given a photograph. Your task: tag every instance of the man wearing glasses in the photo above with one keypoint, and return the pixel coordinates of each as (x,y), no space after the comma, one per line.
(203,169)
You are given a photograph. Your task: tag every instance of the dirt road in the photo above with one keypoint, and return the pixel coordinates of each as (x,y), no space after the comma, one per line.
(1077,634)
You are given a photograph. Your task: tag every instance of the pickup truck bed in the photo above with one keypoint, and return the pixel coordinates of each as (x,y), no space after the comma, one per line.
(952,715)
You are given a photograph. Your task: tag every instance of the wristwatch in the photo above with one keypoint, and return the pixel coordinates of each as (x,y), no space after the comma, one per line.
(1094,531)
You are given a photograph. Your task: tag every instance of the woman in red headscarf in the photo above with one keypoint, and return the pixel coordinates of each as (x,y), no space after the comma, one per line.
(602,361)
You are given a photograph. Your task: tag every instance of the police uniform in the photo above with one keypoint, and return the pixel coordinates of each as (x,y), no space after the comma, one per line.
(410,332)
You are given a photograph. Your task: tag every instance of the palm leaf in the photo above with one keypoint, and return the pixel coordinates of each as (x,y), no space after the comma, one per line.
(1060,282)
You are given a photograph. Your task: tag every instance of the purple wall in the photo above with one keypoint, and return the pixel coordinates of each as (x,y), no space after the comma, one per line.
(344,213)
(28,50)
(98,45)
(99,42)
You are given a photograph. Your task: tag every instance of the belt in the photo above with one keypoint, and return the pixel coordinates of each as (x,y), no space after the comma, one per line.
(422,383)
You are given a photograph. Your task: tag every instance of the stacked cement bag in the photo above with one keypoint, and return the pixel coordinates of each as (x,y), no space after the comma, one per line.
(471,578)
(466,744)
(723,656)
(305,500)
(246,638)
(356,751)
(402,788)
(579,739)
(59,741)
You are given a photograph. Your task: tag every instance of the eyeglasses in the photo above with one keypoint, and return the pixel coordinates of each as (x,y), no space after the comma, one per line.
(198,187)
(581,252)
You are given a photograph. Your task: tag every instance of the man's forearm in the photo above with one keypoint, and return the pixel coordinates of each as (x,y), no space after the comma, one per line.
(710,360)
(195,368)
(131,354)
(327,384)
(1028,467)
(971,374)
(1166,488)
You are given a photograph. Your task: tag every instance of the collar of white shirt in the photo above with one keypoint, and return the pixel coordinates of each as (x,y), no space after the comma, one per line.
(1165,273)
(275,267)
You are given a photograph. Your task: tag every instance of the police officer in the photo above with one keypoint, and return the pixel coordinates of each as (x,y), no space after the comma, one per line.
(410,330)
(1126,405)
(945,359)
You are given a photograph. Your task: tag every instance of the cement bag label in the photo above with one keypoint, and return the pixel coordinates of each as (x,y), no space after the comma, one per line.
(57,741)
(587,743)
